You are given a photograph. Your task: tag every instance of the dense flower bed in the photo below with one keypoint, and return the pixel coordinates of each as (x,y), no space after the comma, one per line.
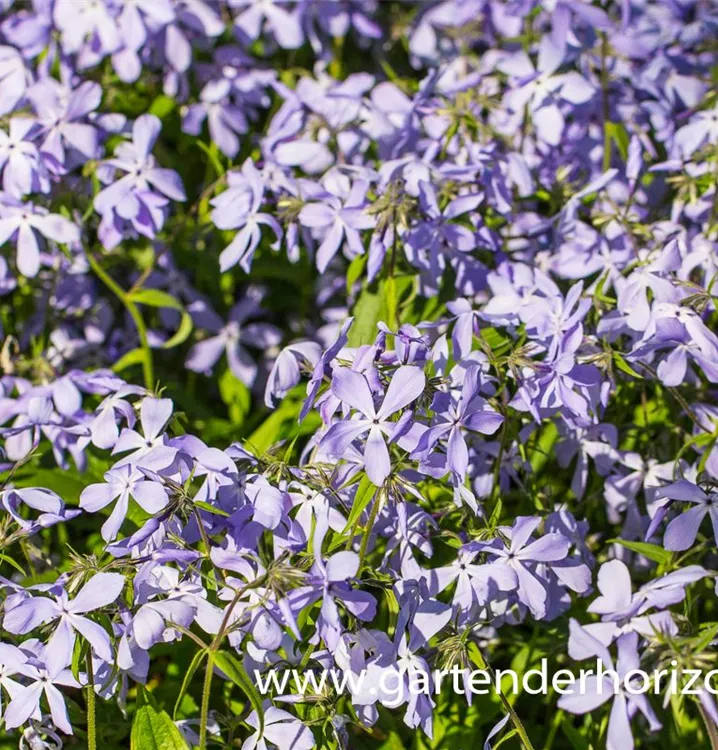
(357,336)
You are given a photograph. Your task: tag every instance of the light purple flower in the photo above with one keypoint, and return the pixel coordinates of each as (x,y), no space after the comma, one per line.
(26,701)
(132,198)
(22,222)
(352,389)
(101,590)
(281,730)
(239,208)
(681,532)
(121,484)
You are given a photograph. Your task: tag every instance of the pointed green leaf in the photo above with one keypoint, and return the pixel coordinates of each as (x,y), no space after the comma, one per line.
(233,668)
(153,728)
(651,551)
(210,508)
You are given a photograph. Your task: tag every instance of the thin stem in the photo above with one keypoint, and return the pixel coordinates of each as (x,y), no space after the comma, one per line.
(91,727)
(369,527)
(216,643)
(496,489)
(515,719)
(206,543)
(204,712)
(133,310)
(605,102)
(225,620)
(714,207)
(710,727)
(678,397)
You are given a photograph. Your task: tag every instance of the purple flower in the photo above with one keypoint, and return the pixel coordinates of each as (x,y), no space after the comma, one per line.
(239,208)
(622,611)
(703,128)
(681,531)
(121,484)
(136,22)
(597,692)
(285,373)
(151,448)
(352,389)
(62,113)
(20,163)
(522,555)
(13,79)
(539,87)
(85,25)
(281,729)
(231,339)
(102,589)
(339,222)
(282,23)
(25,702)
(37,498)
(132,198)
(329,581)
(22,222)
(456,414)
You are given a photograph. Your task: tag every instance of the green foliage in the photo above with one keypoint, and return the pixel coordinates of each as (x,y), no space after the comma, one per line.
(153,728)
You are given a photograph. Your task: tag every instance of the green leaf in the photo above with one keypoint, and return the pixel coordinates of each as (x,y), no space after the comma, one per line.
(158,298)
(619,135)
(577,741)
(152,728)
(354,272)
(155,298)
(281,424)
(236,396)
(651,551)
(624,366)
(392,742)
(133,357)
(182,333)
(362,498)
(210,508)
(367,313)
(10,561)
(495,340)
(79,653)
(232,667)
(162,106)
(189,674)
(212,152)
(709,631)
(379,302)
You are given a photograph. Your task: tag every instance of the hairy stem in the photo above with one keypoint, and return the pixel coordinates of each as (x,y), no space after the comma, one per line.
(515,719)
(91,726)
(204,711)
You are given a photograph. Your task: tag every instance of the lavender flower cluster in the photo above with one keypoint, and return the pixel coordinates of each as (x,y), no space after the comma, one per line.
(442,276)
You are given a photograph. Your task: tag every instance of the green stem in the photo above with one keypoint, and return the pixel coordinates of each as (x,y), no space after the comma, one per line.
(679,398)
(714,207)
(133,310)
(496,489)
(204,713)
(515,719)
(710,727)
(370,525)
(91,727)
(606,107)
